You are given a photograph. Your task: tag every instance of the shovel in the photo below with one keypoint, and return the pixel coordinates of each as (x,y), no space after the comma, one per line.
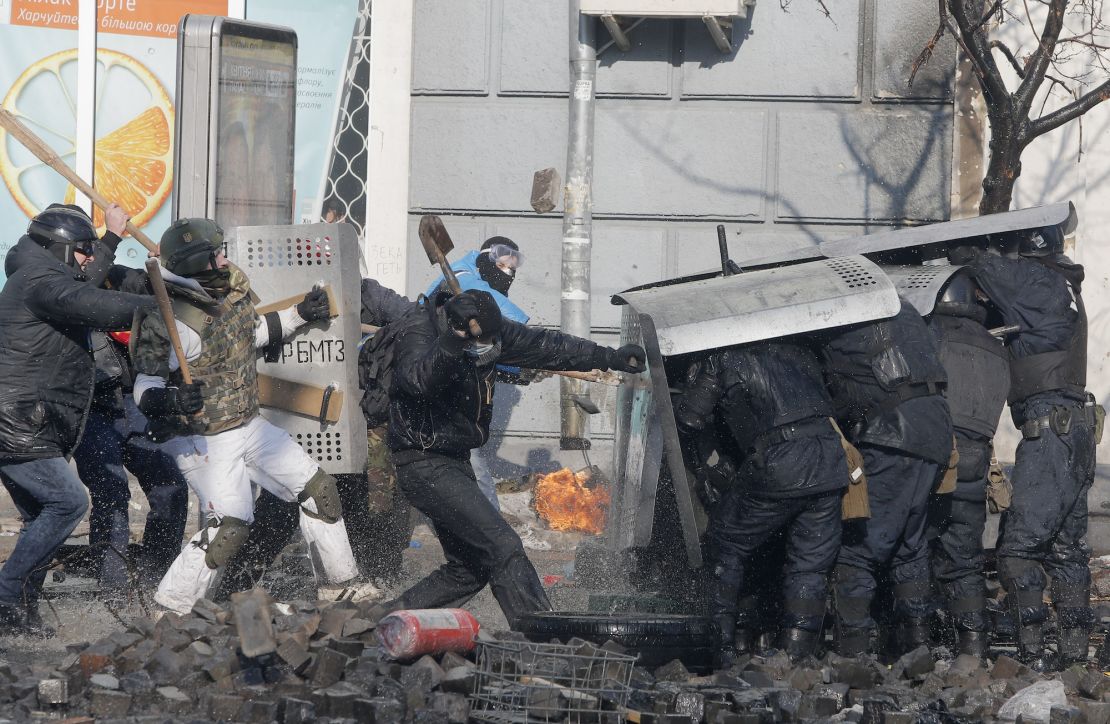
(437,243)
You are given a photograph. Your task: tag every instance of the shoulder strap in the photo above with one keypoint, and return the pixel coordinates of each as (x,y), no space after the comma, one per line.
(192,316)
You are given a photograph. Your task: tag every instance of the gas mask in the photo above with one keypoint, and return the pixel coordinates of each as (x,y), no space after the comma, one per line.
(484,353)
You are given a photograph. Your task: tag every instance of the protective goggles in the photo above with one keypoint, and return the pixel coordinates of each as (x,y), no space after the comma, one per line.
(87,247)
(506,256)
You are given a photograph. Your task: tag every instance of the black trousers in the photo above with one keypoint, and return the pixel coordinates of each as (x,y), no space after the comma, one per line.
(479,545)
(745,522)
(1046,524)
(956,523)
(891,541)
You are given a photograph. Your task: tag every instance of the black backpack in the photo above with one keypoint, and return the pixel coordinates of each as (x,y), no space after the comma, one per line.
(375,366)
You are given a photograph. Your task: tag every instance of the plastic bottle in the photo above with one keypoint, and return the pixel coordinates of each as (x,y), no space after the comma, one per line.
(408,634)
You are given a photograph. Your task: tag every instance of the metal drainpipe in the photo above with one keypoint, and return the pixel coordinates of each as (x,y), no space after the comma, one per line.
(578,215)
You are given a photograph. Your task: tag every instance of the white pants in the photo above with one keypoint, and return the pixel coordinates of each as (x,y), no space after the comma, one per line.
(220,469)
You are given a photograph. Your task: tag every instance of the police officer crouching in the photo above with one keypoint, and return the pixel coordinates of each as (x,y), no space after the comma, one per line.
(1038,289)
(773,398)
(887,379)
(978,380)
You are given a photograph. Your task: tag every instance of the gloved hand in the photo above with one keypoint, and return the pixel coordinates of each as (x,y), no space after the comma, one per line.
(184,399)
(478,305)
(704,488)
(963,254)
(629,358)
(314,306)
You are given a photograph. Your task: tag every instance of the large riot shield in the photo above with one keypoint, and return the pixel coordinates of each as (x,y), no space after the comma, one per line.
(725,311)
(312,389)
(933,240)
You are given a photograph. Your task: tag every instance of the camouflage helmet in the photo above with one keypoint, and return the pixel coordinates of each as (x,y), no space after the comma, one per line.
(190,245)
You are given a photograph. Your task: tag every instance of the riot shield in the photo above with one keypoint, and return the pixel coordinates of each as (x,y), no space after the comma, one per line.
(313,386)
(933,240)
(921,285)
(725,311)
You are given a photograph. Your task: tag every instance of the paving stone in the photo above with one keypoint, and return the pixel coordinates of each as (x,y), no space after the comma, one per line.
(455,706)
(459,680)
(425,674)
(258,711)
(429,716)
(295,655)
(760,679)
(300,711)
(328,668)
(1066,715)
(220,665)
(209,610)
(1007,668)
(898,717)
(856,673)
(672,671)
(165,666)
(348,647)
(785,703)
(1093,685)
(253,622)
(104,703)
(104,681)
(53,692)
(1097,712)
(387,710)
(173,700)
(356,626)
(689,703)
(136,683)
(333,619)
(915,664)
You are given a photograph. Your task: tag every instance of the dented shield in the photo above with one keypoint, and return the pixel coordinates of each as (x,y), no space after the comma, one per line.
(725,311)
(933,240)
(311,390)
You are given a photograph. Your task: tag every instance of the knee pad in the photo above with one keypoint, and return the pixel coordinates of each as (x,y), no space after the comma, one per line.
(323,493)
(231,534)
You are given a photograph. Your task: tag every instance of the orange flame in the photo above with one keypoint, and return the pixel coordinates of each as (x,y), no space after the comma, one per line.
(563,500)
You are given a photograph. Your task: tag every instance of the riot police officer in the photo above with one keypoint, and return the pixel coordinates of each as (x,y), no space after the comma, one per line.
(774,401)
(1038,289)
(887,379)
(978,380)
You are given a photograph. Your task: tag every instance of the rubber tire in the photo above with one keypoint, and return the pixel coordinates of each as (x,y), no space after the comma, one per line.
(656,638)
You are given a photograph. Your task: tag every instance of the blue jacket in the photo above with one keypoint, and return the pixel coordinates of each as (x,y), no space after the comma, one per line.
(466,269)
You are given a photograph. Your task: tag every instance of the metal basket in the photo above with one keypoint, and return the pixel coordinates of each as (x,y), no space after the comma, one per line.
(520,681)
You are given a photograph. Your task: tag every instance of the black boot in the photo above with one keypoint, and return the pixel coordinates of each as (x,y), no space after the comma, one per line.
(1072,646)
(11,620)
(974,643)
(745,641)
(853,641)
(1031,650)
(911,634)
(34,625)
(726,654)
(798,643)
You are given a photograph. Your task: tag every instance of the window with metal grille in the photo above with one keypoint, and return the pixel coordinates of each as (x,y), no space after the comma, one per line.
(345,186)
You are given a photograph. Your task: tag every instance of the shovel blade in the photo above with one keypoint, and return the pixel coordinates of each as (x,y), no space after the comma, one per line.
(434,237)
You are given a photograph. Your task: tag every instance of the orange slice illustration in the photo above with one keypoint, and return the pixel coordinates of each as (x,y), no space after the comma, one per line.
(133,156)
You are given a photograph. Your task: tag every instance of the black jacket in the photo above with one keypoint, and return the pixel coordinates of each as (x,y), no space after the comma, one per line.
(773,398)
(441,401)
(45,361)
(879,373)
(381,305)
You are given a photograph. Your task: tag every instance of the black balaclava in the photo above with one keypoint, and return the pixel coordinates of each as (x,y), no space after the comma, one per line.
(498,279)
(216,282)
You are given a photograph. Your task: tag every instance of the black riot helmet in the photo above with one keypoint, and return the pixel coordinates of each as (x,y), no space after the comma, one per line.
(63,229)
(1048,241)
(960,298)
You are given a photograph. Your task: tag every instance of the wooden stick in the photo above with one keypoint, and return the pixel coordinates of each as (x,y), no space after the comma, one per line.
(164,306)
(47,155)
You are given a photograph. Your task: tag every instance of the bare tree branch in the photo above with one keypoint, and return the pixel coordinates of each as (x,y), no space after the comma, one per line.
(999,45)
(1070,112)
(1042,57)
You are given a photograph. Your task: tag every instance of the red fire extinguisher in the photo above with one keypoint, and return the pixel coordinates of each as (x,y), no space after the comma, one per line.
(408,634)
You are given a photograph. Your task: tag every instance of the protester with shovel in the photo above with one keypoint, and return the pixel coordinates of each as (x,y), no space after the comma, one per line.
(441,402)
(47,307)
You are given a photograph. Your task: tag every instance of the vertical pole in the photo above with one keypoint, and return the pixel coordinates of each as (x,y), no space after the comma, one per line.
(578,214)
(86,97)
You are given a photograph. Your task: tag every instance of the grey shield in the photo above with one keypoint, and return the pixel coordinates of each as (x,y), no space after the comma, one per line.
(921,285)
(284,261)
(933,240)
(725,311)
